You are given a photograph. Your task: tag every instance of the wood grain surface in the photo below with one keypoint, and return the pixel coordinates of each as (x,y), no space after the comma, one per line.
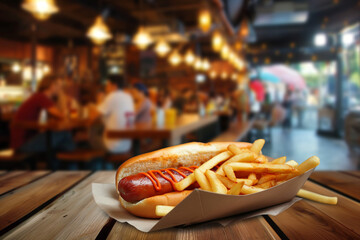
(51,207)
(304,221)
(346,212)
(16,179)
(339,181)
(22,201)
(353,173)
(74,215)
(254,228)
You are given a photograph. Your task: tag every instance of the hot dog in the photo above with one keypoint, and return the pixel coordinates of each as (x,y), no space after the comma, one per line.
(141,186)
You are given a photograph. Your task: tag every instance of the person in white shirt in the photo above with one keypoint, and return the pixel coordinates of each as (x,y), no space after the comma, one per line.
(117,111)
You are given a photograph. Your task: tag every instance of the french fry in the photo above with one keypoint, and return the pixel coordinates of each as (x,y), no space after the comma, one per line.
(162,210)
(308,164)
(252,177)
(216,185)
(279,160)
(261,159)
(257,146)
(243,157)
(266,177)
(249,190)
(181,185)
(247,182)
(292,163)
(261,168)
(227,182)
(236,189)
(234,149)
(202,180)
(266,185)
(230,172)
(317,197)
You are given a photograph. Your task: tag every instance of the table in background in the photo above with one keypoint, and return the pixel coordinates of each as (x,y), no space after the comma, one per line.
(58,205)
(171,135)
(52,126)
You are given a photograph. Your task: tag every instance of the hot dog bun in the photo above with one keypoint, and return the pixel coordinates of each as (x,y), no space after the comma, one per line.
(188,154)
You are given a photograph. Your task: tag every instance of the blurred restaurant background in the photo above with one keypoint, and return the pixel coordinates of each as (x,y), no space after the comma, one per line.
(87,84)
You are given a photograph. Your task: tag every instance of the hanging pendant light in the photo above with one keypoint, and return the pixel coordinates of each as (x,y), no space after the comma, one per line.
(198,64)
(225,52)
(205,65)
(224,75)
(189,57)
(204,20)
(162,48)
(217,41)
(244,29)
(99,32)
(213,74)
(40,9)
(142,39)
(175,58)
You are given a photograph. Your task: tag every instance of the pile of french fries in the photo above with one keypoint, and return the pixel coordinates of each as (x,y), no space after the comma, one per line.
(247,171)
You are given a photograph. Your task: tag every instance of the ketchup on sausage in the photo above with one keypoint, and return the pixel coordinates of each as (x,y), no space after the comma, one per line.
(154,182)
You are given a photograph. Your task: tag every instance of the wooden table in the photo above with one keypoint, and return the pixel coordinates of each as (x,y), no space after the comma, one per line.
(170,134)
(59,205)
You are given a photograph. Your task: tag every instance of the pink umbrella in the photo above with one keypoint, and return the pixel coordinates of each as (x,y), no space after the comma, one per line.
(288,76)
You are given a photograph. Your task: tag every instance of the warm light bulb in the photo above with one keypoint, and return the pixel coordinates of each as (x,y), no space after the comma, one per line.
(41,9)
(16,67)
(213,74)
(189,57)
(234,76)
(225,51)
(198,64)
(99,33)
(46,69)
(162,48)
(217,41)
(244,29)
(204,20)
(232,57)
(238,45)
(175,58)
(142,39)
(224,75)
(205,65)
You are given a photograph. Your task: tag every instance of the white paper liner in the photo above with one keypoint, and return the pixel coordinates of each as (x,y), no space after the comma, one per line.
(201,206)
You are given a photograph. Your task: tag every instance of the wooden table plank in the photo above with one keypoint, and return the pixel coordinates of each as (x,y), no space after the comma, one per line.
(2,172)
(16,179)
(304,221)
(75,215)
(353,173)
(254,228)
(22,201)
(346,212)
(344,183)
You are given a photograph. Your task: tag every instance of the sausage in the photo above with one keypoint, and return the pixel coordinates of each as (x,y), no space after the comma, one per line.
(156,182)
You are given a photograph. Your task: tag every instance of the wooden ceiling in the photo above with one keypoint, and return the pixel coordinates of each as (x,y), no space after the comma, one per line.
(124,16)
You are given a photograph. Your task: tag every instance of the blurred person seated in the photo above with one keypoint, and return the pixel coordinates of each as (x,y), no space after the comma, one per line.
(115,111)
(67,103)
(143,105)
(25,140)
